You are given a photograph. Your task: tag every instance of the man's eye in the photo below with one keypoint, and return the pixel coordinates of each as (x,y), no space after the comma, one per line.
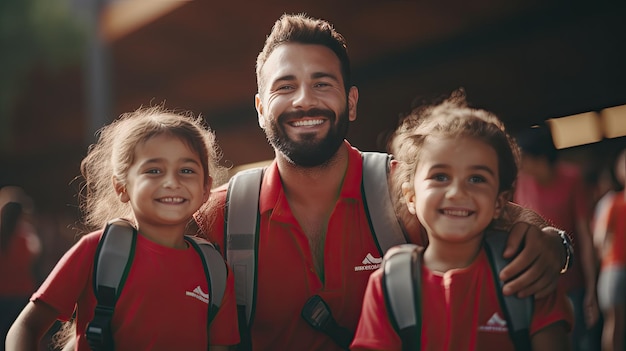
(322,84)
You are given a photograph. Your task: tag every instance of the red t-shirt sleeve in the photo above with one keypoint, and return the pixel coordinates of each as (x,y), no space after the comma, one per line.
(616,254)
(374,331)
(71,276)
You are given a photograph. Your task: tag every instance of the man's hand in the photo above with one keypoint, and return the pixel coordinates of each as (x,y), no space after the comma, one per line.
(536,269)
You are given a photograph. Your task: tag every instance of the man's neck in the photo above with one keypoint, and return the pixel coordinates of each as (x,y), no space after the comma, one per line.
(320,184)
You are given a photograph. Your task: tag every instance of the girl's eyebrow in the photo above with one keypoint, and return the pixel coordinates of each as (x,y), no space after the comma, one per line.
(476,167)
(190,160)
(484,168)
(159,159)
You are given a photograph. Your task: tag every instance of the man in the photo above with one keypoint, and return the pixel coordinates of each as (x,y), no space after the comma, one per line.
(314,235)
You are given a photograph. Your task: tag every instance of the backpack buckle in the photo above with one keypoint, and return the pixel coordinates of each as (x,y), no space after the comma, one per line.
(98,333)
(318,315)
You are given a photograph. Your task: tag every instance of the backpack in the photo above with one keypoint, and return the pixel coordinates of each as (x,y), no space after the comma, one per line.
(401,282)
(112,262)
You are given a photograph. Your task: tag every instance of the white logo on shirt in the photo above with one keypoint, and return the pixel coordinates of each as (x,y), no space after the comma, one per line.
(370,263)
(494,324)
(198,294)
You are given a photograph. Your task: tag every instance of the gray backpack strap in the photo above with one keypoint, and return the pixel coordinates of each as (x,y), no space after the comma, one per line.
(241,223)
(115,255)
(401,283)
(215,270)
(518,312)
(112,262)
(382,217)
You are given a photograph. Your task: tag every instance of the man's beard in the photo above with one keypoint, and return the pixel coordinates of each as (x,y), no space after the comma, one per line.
(308,151)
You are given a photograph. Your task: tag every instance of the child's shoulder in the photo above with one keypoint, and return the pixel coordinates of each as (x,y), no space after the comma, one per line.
(90,239)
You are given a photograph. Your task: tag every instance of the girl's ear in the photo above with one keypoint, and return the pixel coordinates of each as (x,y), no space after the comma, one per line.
(120,189)
(501,201)
(409,196)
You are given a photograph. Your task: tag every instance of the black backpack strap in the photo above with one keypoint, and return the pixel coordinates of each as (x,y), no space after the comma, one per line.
(378,204)
(215,270)
(114,256)
(518,312)
(318,315)
(401,283)
(241,241)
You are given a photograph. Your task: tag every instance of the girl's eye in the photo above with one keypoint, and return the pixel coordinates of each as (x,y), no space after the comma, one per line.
(153,171)
(187,171)
(440,177)
(477,179)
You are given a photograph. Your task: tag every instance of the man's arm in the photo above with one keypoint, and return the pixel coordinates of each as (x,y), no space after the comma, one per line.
(542,254)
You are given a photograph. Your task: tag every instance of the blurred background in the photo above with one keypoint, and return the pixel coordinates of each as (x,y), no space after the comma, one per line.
(68,67)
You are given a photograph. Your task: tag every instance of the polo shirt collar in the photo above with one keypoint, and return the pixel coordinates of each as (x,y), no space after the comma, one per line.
(272,189)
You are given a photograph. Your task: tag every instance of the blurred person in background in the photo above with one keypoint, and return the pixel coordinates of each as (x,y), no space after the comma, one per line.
(610,239)
(609,184)
(20,248)
(556,190)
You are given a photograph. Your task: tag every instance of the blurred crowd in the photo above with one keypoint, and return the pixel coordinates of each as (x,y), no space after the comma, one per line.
(579,200)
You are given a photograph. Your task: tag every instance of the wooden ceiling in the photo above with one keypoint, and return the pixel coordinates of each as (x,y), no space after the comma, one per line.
(526,60)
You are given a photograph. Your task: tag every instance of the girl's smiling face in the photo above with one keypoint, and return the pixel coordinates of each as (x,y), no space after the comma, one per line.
(456,182)
(166,183)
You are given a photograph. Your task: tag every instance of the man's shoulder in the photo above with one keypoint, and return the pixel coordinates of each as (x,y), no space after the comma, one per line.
(218,194)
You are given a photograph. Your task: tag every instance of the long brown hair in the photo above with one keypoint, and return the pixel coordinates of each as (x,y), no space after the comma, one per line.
(113,153)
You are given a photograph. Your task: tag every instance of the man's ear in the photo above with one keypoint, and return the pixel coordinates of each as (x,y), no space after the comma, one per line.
(501,201)
(258,104)
(353,99)
(409,196)
(120,189)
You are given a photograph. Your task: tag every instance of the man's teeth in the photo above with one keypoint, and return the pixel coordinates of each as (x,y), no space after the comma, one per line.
(172,199)
(307,122)
(460,213)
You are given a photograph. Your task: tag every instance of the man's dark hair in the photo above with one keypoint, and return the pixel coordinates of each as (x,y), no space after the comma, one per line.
(302,29)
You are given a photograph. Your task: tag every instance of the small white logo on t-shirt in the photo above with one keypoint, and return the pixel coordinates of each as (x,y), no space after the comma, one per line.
(494,324)
(198,294)
(370,263)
